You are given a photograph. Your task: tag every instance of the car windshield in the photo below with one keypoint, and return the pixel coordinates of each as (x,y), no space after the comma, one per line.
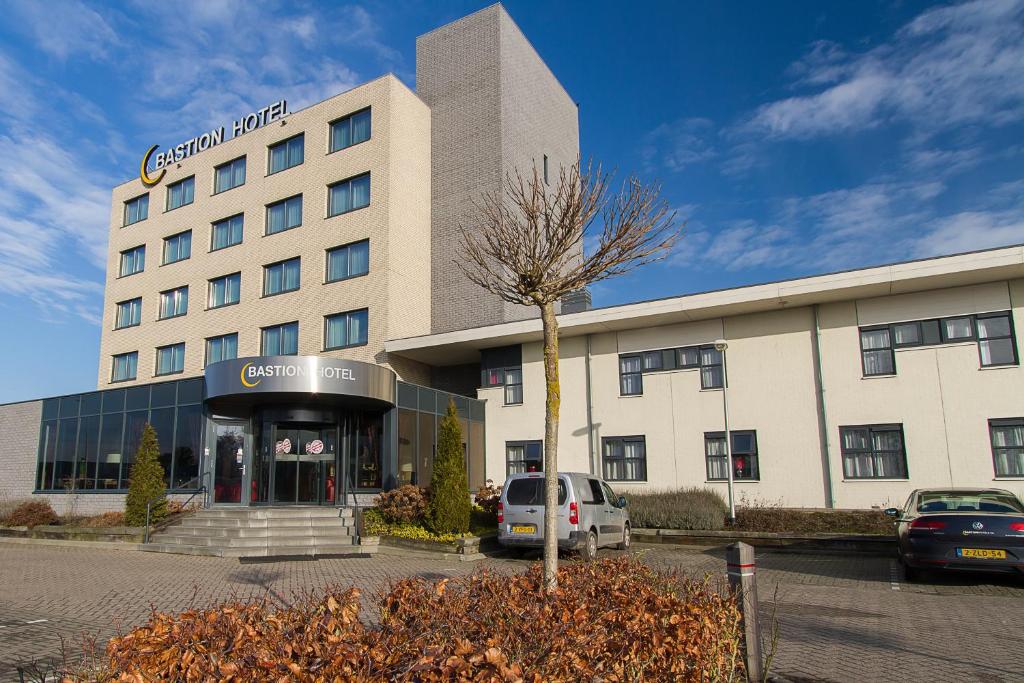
(530,491)
(967,501)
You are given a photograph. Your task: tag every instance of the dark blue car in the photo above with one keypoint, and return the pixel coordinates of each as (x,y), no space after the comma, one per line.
(973,529)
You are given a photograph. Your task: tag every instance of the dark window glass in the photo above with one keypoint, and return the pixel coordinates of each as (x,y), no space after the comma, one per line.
(90,403)
(995,340)
(225,291)
(47,454)
(190,391)
(69,406)
(188,441)
(689,357)
(282,277)
(524,456)
(227,233)
(406,395)
(51,408)
(652,360)
(125,366)
(744,456)
(348,261)
(129,314)
(711,375)
(350,130)
(907,334)
(135,421)
(137,398)
(88,449)
(968,501)
(113,401)
(287,153)
(957,329)
(631,382)
(133,260)
(136,210)
(624,458)
(346,329)
(163,394)
(284,215)
(221,348)
(109,466)
(64,465)
(873,452)
(530,491)
(162,420)
(229,175)
(930,332)
(348,195)
(876,352)
(280,340)
(178,247)
(513,386)
(170,359)
(181,193)
(173,303)
(1008,447)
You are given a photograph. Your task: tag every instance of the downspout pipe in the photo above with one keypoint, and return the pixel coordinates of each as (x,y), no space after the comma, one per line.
(819,382)
(591,450)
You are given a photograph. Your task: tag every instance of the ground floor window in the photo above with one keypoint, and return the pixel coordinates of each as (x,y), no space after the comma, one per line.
(524,456)
(1008,446)
(873,452)
(624,458)
(744,456)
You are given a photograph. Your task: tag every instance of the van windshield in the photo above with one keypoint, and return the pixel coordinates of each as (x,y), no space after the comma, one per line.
(531,492)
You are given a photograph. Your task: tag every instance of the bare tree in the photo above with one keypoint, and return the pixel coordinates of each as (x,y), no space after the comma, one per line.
(527,247)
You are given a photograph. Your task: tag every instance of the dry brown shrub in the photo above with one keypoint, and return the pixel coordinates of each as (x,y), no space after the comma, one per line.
(405,504)
(32,513)
(107,519)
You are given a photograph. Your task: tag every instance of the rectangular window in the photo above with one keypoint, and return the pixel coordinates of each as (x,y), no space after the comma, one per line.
(229,175)
(224,347)
(174,302)
(129,313)
(348,195)
(513,386)
(631,381)
(350,130)
(125,366)
(995,340)
(930,332)
(178,247)
(873,452)
(711,375)
(744,456)
(876,352)
(136,210)
(282,277)
(280,340)
(1007,446)
(170,359)
(226,233)
(345,329)
(351,260)
(652,360)
(133,260)
(957,329)
(688,357)
(624,458)
(284,215)
(224,291)
(181,193)
(286,154)
(524,456)
(907,334)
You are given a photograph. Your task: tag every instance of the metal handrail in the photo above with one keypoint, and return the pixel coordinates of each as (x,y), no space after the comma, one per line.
(149,503)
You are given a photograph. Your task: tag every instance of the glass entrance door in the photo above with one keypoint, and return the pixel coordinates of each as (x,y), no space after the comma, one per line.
(305,464)
(229,463)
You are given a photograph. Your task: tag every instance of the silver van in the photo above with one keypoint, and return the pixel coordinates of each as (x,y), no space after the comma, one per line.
(590,515)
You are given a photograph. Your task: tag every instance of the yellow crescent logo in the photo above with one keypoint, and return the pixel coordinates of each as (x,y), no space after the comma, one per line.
(146,179)
(241,376)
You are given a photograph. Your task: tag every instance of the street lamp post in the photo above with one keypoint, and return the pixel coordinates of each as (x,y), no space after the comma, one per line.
(721,345)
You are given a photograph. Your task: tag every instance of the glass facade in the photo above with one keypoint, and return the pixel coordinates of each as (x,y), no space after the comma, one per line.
(87,442)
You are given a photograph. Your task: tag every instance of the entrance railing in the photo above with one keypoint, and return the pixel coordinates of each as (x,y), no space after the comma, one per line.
(201,479)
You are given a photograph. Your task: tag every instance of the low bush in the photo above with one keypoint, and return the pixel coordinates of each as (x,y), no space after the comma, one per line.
(771,518)
(374,524)
(106,519)
(612,620)
(31,513)
(487,497)
(689,508)
(405,504)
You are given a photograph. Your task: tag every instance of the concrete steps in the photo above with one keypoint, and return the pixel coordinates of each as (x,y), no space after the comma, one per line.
(261,532)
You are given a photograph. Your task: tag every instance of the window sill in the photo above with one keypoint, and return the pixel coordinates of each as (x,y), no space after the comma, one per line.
(172,317)
(879,376)
(217,308)
(128,225)
(168,374)
(342,149)
(345,213)
(228,246)
(228,189)
(512,405)
(1021,478)
(271,234)
(347,278)
(287,168)
(182,206)
(709,389)
(121,277)
(630,395)
(623,481)
(287,291)
(878,479)
(342,348)
(1002,366)
(735,481)
(127,327)
(122,381)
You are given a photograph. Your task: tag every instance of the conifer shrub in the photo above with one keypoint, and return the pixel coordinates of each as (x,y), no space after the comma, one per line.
(147,484)
(449,506)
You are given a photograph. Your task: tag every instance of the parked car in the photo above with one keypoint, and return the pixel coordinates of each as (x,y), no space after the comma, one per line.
(590,515)
(973,529)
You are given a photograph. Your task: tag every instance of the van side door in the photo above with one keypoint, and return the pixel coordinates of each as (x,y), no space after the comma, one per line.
(616,515)
(594,499)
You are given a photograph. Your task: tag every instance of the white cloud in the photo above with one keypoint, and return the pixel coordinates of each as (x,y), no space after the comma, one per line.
(970,231)
(64,28)
(679,144)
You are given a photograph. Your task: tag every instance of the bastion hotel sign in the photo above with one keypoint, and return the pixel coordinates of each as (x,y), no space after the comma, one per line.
(310,375)
(201,143)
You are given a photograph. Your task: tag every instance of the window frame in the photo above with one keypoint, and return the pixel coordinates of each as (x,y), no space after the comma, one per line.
(117,313)
(270,153)
(209,291)
(133,250)
(124,216)
(176,236)
(221,338)
(171,348)
(113,367)
(348,255)
(177,298)
(871,429)
(754,454)
(180,183)
(1012,336)
(512,385)
(525,444)
(348,181)
(639,373)
(348,317)
(331,149)
(231,163)
(226,221)
(268,207)
(633,438)
(280,327)
(994,424)
(889,348)
(282,263)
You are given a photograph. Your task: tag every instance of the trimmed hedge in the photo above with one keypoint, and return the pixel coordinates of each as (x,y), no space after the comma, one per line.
(794,520)
(689,508)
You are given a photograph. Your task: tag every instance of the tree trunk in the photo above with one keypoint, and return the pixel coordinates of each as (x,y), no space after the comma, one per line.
(551,409)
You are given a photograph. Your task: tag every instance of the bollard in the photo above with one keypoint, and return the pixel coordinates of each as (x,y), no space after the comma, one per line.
(740,568)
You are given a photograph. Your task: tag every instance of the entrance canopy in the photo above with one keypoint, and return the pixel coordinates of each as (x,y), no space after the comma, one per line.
(246,382)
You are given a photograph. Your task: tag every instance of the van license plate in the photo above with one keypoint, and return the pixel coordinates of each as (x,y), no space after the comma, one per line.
(523,528)
(981,553)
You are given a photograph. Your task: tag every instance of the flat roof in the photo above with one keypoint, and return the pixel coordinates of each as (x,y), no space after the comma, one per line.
(956,270)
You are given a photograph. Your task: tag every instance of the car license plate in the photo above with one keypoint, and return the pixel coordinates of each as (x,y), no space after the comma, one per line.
(523,529)
(981,553)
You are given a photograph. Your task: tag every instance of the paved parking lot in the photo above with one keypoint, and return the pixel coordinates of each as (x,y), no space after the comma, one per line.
(841,618)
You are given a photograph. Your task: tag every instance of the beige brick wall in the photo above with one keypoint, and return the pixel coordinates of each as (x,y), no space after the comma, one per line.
(397,223)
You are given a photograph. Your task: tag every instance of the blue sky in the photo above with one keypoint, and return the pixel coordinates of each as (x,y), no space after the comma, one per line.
(793,137)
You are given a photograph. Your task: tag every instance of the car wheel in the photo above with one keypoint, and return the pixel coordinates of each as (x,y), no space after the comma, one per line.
(589,549)
(626,539)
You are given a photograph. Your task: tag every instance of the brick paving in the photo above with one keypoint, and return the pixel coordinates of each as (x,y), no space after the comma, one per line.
(841,618)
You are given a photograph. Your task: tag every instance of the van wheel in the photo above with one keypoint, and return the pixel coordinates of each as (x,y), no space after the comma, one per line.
(626,539)
(589,550)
